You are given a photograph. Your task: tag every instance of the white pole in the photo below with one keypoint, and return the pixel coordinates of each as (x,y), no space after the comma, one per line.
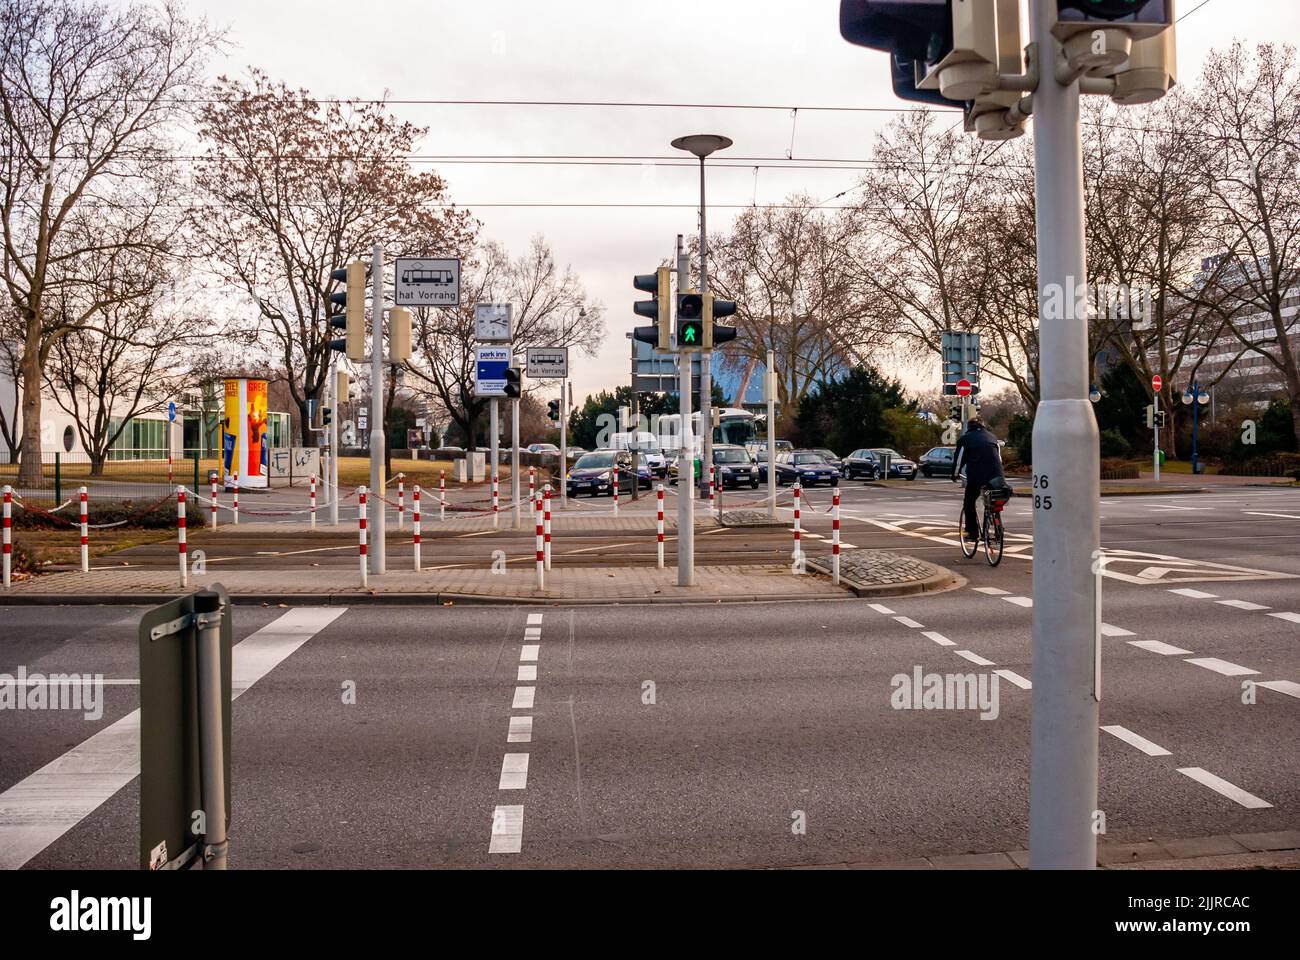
(798,491)
(378,556)
(835,537)
(334,442)
(532,486)
(234,483)
(494,427)
(1063,725)
(85,538)
(361,529)
(313,501)
(541,546)
(771,434)
(442,494)
(180,535)
(564,444)
(1155,431)
(415,519)
(546,523)
(516,512)
(686,457)
(659,495)
(7,525)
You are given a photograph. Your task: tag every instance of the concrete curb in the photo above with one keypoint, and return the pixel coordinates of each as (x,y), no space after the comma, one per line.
(392,599)
(943,579)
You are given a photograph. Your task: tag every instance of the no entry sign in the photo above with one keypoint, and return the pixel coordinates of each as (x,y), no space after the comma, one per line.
(963,388)
(1157,383)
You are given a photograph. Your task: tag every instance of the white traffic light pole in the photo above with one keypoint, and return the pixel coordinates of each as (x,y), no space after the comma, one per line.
(514,458)
(564,444)
(1066,645)
(686,458)
(378,555)
(494,427)
(769,382)
(335,412)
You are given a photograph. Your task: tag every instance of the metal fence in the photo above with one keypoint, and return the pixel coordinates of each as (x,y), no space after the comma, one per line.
(63,474)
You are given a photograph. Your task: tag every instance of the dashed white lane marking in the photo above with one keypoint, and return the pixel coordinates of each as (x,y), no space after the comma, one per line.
(849,546)
(507,829)
(527,673)
(1156,646)
(1289,687)
(1015,678)
(1195,594)
(38,810)
(521,730)
(1224,788)
(1283,516)
(1110,630)
(909,622)
(1288,617)
(939,638)
(514,772)
(1222,666)
(1133,740)
(974,658)
(532,633)
(529,652)
(1241,605)
(534,619)
(993,591)
(1020,601)
(523,698)
(881,608)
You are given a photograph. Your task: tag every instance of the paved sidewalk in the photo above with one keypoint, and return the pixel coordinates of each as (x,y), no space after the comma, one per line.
(747,583)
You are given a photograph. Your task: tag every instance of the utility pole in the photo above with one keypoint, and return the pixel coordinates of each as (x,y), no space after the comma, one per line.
(706,356)
(514,459)
(564,444)
(1067,489)
(686,460)
(769,382)
(378,558)
(336,407)
(494,428)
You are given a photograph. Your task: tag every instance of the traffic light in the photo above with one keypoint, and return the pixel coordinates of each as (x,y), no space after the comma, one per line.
(1155,418)
(714,310)
(342,385)
(399,335)
(553,411)
(514,382)
(326,416)
(658,309)
(1099,34)
(690,321)
(353,301)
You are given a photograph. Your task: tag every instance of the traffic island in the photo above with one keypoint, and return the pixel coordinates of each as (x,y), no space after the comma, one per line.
(751,518)
(878,573)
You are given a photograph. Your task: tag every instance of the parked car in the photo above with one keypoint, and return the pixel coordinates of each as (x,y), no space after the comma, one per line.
(733,467)
(938,461)
(899,466)
(544,449)
(860,465)
(831,457)
(594,473)
(807,467)
(758,448)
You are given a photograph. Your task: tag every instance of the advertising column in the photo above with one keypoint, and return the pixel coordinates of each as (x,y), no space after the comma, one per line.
(245,443)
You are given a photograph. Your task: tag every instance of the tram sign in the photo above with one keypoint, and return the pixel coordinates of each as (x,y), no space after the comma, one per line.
(426,282)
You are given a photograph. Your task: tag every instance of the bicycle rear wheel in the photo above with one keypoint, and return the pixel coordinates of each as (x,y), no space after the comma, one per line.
(993,539)
(968,546)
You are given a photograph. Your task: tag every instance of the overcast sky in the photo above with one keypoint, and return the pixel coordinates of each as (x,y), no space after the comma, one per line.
(723,52)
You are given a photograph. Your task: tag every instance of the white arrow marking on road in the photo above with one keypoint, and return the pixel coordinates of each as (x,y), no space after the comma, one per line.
(1223,787)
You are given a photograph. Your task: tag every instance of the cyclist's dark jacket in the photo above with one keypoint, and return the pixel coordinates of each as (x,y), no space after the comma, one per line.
(979,453)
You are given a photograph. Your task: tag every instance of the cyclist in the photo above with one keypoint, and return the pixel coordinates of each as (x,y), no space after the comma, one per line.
(980,456)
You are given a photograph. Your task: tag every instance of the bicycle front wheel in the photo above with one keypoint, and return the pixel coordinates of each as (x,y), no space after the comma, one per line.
(993,539)
(968,546)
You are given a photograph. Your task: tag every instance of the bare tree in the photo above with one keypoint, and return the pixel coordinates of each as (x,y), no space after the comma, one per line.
(86,93)
(295,189)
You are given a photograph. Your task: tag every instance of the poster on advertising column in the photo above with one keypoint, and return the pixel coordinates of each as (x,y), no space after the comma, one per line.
(245,444)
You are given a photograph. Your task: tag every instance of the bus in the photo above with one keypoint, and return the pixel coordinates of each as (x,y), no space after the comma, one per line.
(735,426)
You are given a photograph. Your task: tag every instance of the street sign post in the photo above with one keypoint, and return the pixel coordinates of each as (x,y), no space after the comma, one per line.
(490,365)
(426,282)
(171,411)
(1157,421)
(548,363)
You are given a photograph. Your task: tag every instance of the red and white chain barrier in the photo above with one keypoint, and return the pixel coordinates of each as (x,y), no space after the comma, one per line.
(361,524)
(85,533)
(798,493)
(213,478)
(496,501)
(546,522)
(415,519)
(180,536)
(659,494)
(313,501)
(541,547)
(835,538)
(401,500)
(713,501)
(442,495)
(8,524)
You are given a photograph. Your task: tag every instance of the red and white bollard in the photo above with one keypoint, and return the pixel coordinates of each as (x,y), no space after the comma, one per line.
(835,538)
(401,500)
(532,485)
(7,533)
(442,494)
(496,503)
(798,492)
(85,534)
(169,471)
(541,546)
(614,480)
(415,519)
(180,536)
(234,483)
(546,522)
(313,501)
(713,501)
(212,477)
(361,525)
(659,493)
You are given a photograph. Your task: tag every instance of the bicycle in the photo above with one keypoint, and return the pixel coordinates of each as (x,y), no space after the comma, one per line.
(994,498)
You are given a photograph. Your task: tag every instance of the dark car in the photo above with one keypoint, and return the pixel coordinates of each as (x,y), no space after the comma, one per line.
(899,466)
(593,473)
(807,467)
(937,461)
(734,467)
(831,457)
(860,465)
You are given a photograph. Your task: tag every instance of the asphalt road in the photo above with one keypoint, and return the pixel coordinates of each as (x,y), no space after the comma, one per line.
(702,735)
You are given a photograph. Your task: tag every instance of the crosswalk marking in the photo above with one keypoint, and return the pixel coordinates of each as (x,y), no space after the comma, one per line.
(1222,666)
(1224,788)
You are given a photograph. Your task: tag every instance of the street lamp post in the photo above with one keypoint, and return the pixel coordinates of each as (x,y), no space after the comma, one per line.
(1195,397)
